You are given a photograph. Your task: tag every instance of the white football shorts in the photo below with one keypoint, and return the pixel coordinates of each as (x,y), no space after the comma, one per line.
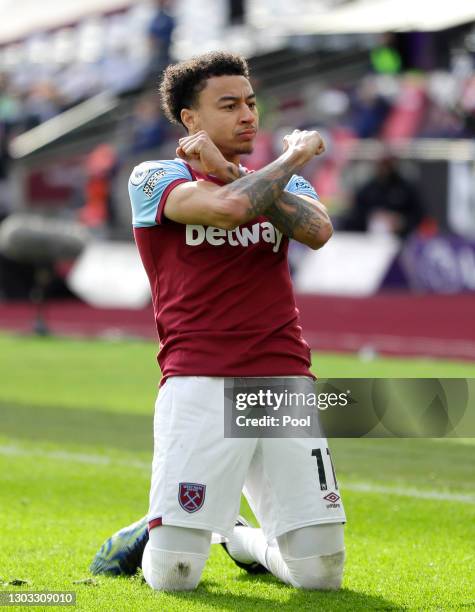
(198,474)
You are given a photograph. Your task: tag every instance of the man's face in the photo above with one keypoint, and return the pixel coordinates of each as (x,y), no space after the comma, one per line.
(227,111)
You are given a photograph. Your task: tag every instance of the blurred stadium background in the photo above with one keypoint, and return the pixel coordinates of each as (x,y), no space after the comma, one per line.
(390,84)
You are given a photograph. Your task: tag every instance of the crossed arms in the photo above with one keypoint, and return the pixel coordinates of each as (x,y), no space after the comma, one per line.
(259,193)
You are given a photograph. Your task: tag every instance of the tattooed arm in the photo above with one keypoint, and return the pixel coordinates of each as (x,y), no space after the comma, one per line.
(302,218)
(247,197)
(299,217)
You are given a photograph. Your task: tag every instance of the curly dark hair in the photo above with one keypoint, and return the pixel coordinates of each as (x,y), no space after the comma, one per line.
(182,82)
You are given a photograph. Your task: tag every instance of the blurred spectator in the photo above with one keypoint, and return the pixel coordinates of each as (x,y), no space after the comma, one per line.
(387,203)
(160,34)
(149,128)
(5,204)
(407,113)
(101,168)
(10,107)
(237,11)
(385,58)
(467,106)
(370,108)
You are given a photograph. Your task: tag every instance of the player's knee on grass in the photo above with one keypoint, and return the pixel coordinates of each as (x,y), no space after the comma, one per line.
(174,558)
(315,556)
(320,572)
(172,571)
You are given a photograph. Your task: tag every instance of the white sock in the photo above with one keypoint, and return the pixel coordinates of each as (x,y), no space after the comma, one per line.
(166,570)
(249,545)
(315,554)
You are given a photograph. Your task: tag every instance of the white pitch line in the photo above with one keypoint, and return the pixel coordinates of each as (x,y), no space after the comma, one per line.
(366,487)
(358,487)
(18,451)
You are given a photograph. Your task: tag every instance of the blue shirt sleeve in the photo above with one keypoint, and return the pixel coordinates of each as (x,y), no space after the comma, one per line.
(300,186)
(149,186)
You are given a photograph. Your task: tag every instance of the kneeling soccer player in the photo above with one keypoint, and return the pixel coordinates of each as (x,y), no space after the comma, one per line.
(213,239)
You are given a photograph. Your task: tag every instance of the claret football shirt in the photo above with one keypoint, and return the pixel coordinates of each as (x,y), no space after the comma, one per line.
(223,299)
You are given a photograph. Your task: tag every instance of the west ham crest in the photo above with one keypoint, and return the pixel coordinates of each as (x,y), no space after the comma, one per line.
(191,496)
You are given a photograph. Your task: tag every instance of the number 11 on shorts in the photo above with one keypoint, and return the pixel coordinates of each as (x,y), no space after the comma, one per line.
(317,452)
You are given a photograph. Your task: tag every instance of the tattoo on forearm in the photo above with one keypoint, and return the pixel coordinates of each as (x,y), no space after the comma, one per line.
(264,187)
(293,215)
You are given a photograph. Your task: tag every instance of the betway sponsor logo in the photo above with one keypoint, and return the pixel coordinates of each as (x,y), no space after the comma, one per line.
(241,236)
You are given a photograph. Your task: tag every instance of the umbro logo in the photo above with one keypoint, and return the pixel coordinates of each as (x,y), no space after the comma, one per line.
(332,497)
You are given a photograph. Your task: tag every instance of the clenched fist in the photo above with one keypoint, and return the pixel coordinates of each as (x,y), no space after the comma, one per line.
(309,142)
(199,146)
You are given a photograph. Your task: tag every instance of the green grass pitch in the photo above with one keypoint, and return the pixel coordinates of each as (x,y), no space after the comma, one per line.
(75,451)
